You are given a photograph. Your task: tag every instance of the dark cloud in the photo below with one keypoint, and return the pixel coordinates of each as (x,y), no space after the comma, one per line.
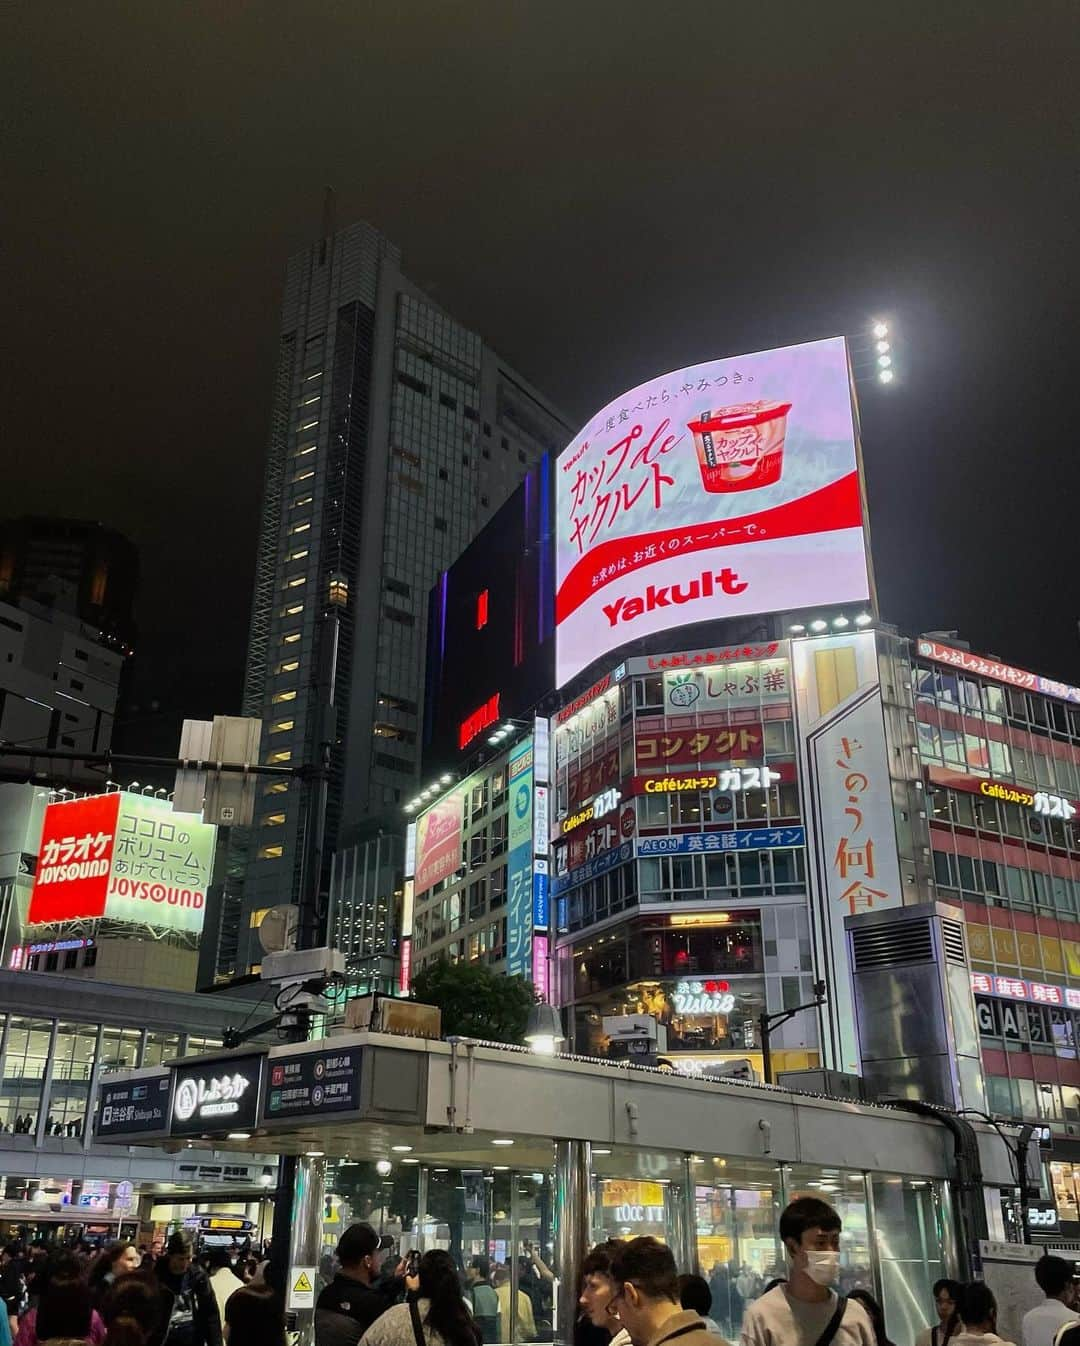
(602,190)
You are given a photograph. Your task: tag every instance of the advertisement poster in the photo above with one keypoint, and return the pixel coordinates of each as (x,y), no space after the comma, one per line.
(125,856)
(438,842)
(735,687)
(725,488)
(519,863)
(851,832)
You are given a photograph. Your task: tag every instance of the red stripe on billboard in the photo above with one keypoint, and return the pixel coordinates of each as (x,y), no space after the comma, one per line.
(832,507)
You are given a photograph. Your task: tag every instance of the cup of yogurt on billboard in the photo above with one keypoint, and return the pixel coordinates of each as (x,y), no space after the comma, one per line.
(740,448)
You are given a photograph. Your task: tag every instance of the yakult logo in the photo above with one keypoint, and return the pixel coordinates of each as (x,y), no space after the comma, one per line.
(664,595)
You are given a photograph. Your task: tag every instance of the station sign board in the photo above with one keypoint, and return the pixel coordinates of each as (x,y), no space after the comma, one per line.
(134,1105)
(309,1084)
(217,1095)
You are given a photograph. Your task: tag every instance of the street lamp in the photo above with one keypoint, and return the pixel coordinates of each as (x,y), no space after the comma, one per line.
(767,1022)
(543,1031)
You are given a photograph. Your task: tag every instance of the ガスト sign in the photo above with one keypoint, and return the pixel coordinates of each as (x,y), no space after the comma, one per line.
(722,489)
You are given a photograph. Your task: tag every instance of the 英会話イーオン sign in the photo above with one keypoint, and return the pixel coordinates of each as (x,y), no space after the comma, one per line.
(727,488)
(124,856)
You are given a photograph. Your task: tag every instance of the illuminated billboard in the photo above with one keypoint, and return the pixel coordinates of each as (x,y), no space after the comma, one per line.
(723,489)
(438,842)
(125,857)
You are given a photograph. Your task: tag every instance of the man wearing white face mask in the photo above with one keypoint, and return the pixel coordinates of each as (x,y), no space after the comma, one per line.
(805,1310)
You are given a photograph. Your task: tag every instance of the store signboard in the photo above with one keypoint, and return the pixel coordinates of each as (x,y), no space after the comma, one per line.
(721,489)
(311,1084)
(132,1106)
(592,869)
(996,671)
(124,856)
(221,1095)
(847,801)
(742,839)
(704,746)
(519,861)
(733,687)
(1040,801)
(1017,988)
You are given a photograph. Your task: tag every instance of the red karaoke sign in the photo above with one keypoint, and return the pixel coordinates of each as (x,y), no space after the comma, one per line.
(75,860)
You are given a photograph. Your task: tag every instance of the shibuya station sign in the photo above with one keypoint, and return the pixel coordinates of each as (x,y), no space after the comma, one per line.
(722,489)
(123,856)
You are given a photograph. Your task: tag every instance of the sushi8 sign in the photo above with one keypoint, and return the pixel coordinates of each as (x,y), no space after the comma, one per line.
(722,489)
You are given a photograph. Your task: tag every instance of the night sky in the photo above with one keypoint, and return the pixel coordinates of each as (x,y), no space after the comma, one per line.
(603,191)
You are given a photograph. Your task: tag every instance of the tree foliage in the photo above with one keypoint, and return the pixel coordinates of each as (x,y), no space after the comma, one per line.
(476,1002)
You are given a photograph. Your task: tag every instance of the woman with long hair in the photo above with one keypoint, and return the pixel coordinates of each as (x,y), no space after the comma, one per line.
(435,1312)
(254,1317)
(132,1312)
(115,1261)
(64,1307)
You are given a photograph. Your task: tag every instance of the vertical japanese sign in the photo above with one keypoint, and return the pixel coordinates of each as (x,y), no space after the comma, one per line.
(124,856)
(519,862)
(722,489)
(847,800)
(438,842)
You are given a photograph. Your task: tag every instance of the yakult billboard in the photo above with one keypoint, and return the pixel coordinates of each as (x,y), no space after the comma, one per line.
(125,857)
(726,488)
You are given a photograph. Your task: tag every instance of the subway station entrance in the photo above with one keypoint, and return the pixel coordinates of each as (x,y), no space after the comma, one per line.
(529,1160)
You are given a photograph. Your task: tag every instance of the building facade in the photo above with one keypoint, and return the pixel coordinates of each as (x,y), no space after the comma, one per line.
(396,433)
(59,685)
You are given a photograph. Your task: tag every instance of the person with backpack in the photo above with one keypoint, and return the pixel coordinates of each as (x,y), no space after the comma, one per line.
(485,1302)
(804,1310)
(190,1311)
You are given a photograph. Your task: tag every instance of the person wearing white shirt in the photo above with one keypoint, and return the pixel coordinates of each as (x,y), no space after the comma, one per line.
(1056,1278)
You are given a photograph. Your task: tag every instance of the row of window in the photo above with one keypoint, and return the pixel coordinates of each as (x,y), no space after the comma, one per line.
(1020,887)
(958,691)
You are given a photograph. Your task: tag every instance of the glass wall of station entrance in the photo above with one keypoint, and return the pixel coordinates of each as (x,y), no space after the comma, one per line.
(718,1214)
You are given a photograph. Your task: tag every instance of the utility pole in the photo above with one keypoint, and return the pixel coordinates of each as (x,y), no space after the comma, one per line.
(767,1022)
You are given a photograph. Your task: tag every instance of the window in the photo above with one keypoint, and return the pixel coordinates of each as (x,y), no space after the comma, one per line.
(90,957)
(283,696)
(269,853)
(295,582)
(299,528)
(279,756)
(290,637)
(443,474)
(273,820)
(447,401)
(308,448)
(397,615)
(407,381)
(440,524)
(305,475)
(289,666)
(291,610)
(302,500)
(277,787)
(76,685)
(82,654)
(297,555)
(396,587)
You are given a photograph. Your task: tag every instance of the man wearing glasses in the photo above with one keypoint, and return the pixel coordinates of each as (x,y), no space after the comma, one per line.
(646,1297)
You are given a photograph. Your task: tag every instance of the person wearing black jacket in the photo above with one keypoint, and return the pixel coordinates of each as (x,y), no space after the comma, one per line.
(190,1314)
(348,1306)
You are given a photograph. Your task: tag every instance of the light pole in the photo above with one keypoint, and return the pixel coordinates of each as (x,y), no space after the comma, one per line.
(767,1022)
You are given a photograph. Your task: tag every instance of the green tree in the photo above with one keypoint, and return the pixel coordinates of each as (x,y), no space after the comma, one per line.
(476,1002)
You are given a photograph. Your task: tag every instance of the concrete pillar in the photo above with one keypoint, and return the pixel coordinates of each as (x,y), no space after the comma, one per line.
(573,1160)
(305,1235)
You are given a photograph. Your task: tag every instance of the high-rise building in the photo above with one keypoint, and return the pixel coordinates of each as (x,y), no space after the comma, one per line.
(75,566)
(396,433)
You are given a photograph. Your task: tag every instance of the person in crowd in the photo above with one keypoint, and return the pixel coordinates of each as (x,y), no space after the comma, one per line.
(190,1311)
(485,1302)
(35,1269)
(1056,1279)
(434,1312)
(12,1285)
(646,1298)
(64,1307)
(875,1313)
(694,1293)
(254,1318)
(977,1308)
(804,1310)
(945,1295)
(595,1326)
(132,1312)
(526,1321)
(223,1280)
(117,1260)
(348,1306)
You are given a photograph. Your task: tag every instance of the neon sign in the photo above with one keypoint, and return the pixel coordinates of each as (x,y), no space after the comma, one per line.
(703,997)
(478,721)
